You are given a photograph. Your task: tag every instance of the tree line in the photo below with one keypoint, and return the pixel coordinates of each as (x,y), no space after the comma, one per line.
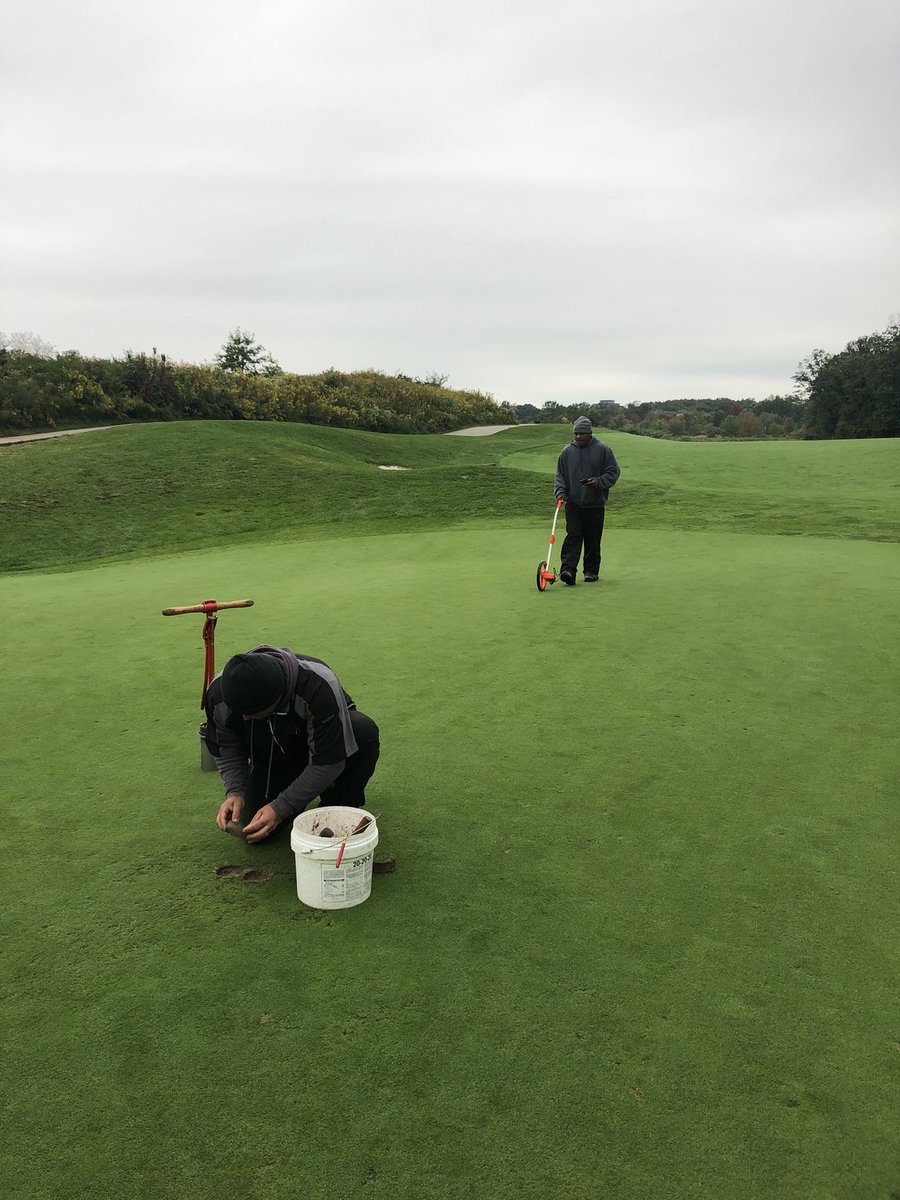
(852,394)
(44,392)
(774,417)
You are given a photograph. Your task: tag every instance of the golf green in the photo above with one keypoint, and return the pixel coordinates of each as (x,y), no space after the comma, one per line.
(641,938)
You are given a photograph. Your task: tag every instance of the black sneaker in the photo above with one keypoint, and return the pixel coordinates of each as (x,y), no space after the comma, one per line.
(568,577)
(592,579)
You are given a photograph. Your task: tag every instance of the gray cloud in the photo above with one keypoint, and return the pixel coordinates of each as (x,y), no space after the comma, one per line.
(543,200)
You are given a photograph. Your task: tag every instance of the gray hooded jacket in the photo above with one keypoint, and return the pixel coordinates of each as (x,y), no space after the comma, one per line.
(596,459)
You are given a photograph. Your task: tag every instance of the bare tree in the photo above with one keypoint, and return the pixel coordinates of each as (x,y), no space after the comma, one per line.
(25,342)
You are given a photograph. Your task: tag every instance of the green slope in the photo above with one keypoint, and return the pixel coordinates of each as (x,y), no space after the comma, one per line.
(152,488)
(843,489)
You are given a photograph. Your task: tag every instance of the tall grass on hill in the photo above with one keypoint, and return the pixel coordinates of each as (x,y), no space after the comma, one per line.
(192,485)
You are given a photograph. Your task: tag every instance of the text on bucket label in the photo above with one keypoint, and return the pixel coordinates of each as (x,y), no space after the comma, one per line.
(350,882)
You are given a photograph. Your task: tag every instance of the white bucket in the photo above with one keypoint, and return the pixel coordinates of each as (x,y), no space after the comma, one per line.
(321,883)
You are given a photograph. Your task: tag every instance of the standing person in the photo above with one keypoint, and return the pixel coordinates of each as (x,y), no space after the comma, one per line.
(585,471)
(283,731)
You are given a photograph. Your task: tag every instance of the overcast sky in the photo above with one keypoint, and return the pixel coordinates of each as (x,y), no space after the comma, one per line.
(542,199)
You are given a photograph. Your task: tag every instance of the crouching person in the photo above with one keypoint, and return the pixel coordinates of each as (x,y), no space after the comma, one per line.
(283,733)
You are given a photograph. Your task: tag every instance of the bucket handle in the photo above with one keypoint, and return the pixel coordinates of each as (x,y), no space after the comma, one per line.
(336,838)
(315,850)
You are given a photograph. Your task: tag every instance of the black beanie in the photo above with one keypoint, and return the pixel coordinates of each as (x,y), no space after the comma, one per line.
(251,683)
(582,425)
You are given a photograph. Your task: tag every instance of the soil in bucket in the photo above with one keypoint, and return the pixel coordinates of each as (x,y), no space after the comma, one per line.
(321,883)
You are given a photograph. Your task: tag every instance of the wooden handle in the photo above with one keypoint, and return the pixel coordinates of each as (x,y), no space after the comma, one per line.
(207,607)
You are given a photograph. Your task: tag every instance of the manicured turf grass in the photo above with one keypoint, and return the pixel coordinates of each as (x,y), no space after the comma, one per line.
(148,489)
(642,935)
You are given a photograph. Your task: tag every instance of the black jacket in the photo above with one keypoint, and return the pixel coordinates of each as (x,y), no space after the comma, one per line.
(310,733)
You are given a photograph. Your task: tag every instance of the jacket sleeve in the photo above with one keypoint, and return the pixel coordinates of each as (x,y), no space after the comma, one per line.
(234,769)
(610,469)
(560,484)
(311,782)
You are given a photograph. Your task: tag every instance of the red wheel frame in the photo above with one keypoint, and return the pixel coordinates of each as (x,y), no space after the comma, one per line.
(541,577)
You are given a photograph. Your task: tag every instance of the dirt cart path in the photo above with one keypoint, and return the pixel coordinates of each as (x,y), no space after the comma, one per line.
(476,431)
(37,437)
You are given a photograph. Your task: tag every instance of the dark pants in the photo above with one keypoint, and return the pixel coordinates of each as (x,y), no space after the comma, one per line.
(584,526)
(349,789)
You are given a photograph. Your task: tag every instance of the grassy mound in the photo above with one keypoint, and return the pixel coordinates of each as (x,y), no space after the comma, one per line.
(151,489)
